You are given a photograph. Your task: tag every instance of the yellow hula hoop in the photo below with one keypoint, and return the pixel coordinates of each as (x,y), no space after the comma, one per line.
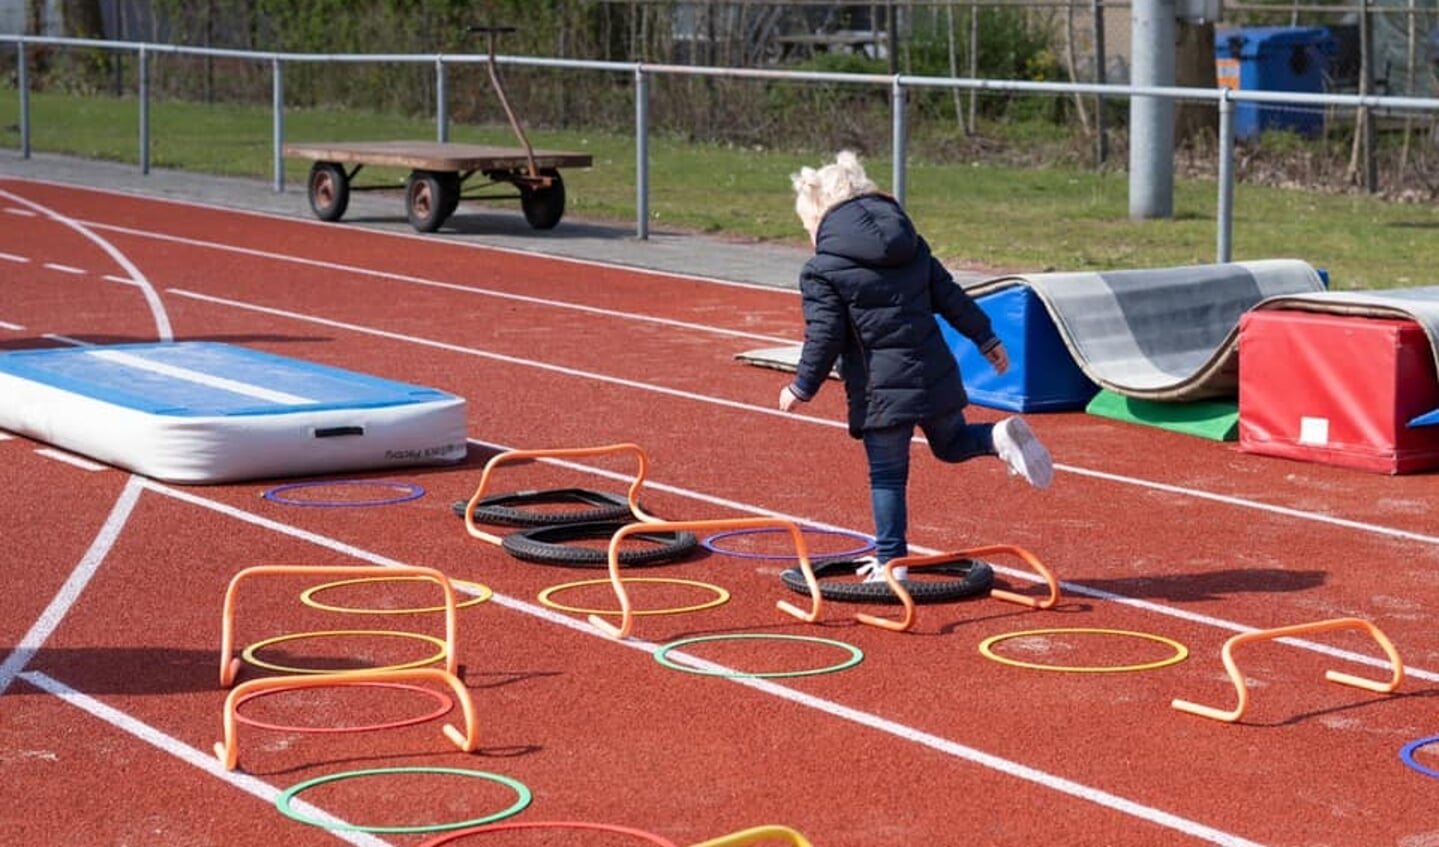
(249,652)
(721,596)
(986,648)
(482,593)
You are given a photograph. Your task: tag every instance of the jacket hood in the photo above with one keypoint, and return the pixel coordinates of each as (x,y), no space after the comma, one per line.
(870,229)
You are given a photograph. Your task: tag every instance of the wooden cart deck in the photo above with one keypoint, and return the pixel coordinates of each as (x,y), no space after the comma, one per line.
(435,155)
(438,171)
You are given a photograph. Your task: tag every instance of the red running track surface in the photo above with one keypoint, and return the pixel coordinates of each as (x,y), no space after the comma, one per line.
(113,584)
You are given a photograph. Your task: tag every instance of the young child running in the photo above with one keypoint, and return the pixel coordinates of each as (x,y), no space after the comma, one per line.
(871,294)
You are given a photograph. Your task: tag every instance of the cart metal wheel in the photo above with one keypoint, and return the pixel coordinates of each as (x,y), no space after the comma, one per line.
(427,199)
(329,190)
(544,206)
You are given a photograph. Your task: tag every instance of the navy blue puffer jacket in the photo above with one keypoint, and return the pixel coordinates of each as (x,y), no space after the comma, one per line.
(871,295)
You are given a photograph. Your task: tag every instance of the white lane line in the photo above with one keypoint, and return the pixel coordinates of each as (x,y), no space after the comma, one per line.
(5,436)
(483,354)
(69,459)
(152,297)
(20,213)
(65,339)
(428,240)
(11,327)
(245,389)
(60,605)
(195,758)
(857,716)
(766,410)
(11,257)
(450,286)
(64,269)
(1067,587)
(1229,500)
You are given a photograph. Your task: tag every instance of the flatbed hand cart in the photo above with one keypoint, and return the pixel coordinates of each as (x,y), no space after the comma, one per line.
(439,170)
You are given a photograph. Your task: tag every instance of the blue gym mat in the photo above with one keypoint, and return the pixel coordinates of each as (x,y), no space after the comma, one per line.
(201,379)
(210,412)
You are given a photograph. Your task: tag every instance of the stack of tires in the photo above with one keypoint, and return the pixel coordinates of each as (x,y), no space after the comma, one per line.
(553,524)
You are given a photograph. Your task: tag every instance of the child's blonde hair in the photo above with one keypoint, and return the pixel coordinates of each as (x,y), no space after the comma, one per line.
(816,191)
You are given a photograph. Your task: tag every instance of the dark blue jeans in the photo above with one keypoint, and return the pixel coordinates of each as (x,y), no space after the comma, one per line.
(951,439)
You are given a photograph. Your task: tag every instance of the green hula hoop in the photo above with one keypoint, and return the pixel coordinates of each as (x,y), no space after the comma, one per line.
(662,656)
(286,799)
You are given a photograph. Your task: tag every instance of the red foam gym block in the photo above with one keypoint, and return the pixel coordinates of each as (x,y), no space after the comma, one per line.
(1337,390)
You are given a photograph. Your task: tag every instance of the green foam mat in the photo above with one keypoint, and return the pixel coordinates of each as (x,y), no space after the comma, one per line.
(1217,420)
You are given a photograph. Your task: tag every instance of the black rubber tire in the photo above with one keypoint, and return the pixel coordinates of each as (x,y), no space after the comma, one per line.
(506,509)
(329,191)
(427,200)
(973,578)
(546,545)
(451,187)
(544,207)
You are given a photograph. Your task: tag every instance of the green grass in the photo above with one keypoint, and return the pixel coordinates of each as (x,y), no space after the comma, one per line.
(975,215)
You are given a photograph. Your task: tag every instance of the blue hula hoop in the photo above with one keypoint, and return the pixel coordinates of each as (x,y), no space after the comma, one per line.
(711,545)
(1407,755)
(409,492)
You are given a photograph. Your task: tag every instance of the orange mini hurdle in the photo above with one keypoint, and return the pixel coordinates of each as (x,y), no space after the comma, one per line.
(1297,629)
(228,750)
(916,562)
(562,452)
(230,664)
(627,610)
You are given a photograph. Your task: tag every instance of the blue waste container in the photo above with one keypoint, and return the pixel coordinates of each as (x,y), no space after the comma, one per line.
(1274,58)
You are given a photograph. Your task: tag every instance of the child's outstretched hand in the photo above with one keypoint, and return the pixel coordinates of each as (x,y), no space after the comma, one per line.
(998,358)
(787,399)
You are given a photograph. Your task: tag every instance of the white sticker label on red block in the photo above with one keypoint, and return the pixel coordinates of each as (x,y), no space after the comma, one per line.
(1314,431)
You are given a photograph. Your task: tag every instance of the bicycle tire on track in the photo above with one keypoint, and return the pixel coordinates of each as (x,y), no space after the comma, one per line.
(508,509)
(547,545)
(973,578)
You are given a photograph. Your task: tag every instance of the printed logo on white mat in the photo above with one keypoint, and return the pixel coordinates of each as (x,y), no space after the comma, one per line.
(1314,431)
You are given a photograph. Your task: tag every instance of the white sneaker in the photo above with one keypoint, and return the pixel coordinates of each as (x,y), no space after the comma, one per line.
(1018,447)
(873,571)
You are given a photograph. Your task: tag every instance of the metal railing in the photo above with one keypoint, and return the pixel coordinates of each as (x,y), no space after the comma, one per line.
(897,84)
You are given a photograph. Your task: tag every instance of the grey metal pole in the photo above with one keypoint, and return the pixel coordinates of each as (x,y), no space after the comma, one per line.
(1151,118)
(1225,249)
(277,128)
(442,113)
(1366,86)
(1101,138)
(642,155)
(974,68)
(144,62)
(23,80)
(897,142)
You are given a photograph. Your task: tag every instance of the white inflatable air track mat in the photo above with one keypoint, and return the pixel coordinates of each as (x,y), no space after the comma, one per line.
(204,412)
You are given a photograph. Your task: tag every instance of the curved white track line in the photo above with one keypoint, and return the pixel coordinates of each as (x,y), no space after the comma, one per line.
(69,592)
(448,286)
(152,297)
(426,238)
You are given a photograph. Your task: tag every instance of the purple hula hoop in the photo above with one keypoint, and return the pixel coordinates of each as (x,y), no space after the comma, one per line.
(410,492)
(710,543)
